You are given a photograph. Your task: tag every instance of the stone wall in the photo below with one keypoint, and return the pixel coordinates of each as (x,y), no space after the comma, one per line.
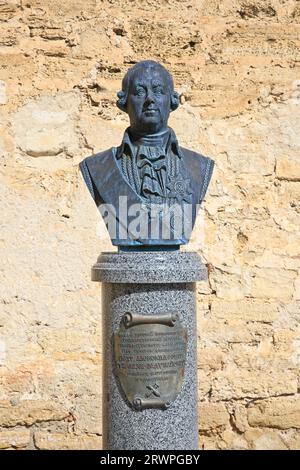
(236,64)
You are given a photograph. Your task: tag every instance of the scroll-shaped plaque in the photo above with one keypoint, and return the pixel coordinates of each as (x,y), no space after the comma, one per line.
(150,353)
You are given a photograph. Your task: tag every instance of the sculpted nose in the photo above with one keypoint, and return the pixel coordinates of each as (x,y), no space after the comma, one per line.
(150,98)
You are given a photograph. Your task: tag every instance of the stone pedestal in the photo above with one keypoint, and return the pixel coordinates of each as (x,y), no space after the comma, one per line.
(149,349)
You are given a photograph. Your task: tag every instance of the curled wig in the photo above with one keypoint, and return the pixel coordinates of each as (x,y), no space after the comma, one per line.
(123,94)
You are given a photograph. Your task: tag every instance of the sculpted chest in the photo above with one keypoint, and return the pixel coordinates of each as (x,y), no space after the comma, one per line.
(111,191)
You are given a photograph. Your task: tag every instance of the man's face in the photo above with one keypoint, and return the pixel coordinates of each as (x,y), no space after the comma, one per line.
(148,103)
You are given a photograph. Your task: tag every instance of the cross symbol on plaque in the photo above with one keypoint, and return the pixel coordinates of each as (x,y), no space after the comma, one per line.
(153,390)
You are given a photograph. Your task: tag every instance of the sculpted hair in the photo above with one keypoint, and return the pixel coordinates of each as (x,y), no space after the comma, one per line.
(123,94)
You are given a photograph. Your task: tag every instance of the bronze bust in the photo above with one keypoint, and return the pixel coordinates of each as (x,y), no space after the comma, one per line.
(149,188)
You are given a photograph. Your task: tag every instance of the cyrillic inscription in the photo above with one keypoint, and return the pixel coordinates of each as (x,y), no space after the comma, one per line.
(150,354)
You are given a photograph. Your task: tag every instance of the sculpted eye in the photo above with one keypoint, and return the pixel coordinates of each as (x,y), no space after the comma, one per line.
(158,91)
(139,91)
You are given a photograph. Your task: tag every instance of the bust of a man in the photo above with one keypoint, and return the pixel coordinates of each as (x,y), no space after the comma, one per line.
(149,188)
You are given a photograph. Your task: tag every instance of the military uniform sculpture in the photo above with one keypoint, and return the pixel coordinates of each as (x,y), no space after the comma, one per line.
(149,188)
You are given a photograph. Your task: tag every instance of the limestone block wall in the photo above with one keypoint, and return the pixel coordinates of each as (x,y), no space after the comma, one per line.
(236,64)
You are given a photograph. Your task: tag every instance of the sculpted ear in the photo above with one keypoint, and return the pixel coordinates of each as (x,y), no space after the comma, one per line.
(122,101)
(174,100)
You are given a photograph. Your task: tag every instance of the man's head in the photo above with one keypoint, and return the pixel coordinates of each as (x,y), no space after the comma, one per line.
(148,97)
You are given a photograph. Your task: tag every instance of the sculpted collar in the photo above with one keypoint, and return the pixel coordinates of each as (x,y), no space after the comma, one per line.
(128,146)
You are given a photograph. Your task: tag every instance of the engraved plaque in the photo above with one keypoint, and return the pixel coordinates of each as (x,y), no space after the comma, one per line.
(150,354)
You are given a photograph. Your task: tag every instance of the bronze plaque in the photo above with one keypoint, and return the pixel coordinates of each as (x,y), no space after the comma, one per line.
(150,354)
